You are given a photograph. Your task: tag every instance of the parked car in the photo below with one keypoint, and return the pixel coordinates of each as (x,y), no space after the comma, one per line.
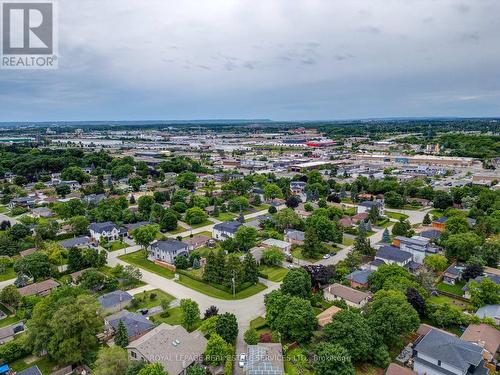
(326,256)
(243,358)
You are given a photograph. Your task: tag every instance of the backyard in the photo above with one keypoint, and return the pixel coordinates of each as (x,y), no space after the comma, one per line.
(453,289)
(145,301)
(115,246)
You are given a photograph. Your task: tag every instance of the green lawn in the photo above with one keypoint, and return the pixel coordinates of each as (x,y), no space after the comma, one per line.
(204,251)
(297,253)
(3,209)
(395,215)
(9,320)
(217,293)
(454,289)
(177,230)
(436,213)
(347,241)
(225,216)
(275,274)
(202,224)
(145,301)
(174,318)
(296,362)
(205,233)
(138,260)
(261,207)
(9,274)
(116,245)
(44,364)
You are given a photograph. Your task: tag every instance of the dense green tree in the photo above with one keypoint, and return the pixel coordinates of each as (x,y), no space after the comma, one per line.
(111,361)
(391,316)
(144,204)
(296,321)
(75,173)
(313,247)
(186,180)
(217,350)
(195,215)
(402,228)
(427,219)
(436,262)
(10,296)
(384,273)
(245,238)
(79,225)
(272,191)
(272,256)
(297,282)
(190,314)
(251,336)
(442,200)
(145,235)
(227,327)
(461,246)
(351,330)
(152,369)
(332,359)
(487,292)
(287,219)
(169,221)
(393,199)
(250,269)
(36,265)
(63,321)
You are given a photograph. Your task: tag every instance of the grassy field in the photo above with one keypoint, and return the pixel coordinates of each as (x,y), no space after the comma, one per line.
(202,224)
(137,259)
(9,274)
(225,216)
(145,301)
(177,230)
(275,274)
(347,241)
(217,293)
(297,253)
(3,209)
(455,289)
(116,245)
(395,215)
(175,317)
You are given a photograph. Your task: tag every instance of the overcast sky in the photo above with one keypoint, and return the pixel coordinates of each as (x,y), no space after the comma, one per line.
(276,59)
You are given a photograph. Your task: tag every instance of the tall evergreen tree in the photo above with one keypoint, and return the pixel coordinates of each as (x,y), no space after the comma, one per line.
(312,245)
(210,272)
(427,219)
(121,336)
(362,245)
(233,272)
(250,269)
(386,237)
(220,267)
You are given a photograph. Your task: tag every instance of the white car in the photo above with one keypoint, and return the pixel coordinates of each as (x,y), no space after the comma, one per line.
(326,256)
(243,358)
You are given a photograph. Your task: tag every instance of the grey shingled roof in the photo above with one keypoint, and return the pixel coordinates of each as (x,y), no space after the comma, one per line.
(228,226)
(103,227)
(450,349)
(169,246)
(77,241)
(393,253)
(360,276)
(114,298)
(135,324)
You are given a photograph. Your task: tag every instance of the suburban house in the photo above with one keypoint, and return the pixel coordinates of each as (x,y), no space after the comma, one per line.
(326,316)
(452,274)
(93,199)
(33,370)
(489,311)
(297,187)
(484,336)
(131,227)
(441,353)
(225,230)
(135,324)
(393,255)
(172,346)
(295,237)
(39,289)
(107,230)
(478,279)
(82,241)
(359,278)
(352,297)
(41,212)
(168,250)
(282,245)
(196,242)
(264,358)
(418,246)
(365,207)
(115,301)
(27,202)
(73,185)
